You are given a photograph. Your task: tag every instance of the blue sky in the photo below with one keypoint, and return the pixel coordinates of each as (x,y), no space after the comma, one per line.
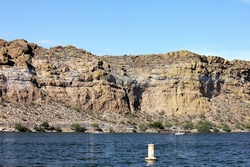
(118,27)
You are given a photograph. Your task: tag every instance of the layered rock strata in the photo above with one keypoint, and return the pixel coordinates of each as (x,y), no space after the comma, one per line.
(181,84)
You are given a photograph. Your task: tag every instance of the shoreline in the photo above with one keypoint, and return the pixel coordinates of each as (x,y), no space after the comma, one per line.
(92,131)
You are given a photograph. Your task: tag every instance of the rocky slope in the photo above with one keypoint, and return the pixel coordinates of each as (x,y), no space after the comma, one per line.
(63,85)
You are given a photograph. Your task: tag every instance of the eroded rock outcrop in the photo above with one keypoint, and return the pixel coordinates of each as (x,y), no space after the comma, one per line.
(177,84)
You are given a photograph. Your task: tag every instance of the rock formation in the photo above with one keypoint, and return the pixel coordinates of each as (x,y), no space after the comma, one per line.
(176,87)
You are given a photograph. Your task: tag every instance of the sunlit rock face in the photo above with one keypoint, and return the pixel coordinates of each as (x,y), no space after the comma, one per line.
(178,83)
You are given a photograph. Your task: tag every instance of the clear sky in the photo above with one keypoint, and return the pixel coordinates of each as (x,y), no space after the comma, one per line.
(118,27)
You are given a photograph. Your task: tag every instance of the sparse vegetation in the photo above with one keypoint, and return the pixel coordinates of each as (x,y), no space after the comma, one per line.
(44,126)
(189,125)
(247,125)
(168,125)
(96,126)
(21,128)
(77,127)
(226,128)
(216,130)
(142,127)
(111,130)
(156,125)
(204,127)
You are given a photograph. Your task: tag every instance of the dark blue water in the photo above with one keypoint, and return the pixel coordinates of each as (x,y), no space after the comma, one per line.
(75,149)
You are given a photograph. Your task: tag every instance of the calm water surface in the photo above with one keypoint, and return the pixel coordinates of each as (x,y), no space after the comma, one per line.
(75,149)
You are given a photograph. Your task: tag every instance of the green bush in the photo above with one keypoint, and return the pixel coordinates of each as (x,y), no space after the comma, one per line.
(204,127)
(189,125)
(247,125)
(156,125)
(168,125)
(38,129)
(77,127)
(43,127)
(142,127)
(96,126)
(216,130)
(21,128)
(226,128)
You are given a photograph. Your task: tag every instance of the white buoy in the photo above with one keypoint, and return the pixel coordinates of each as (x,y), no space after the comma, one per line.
(151,152)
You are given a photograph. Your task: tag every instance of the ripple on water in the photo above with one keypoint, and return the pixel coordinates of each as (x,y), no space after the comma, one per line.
(65,149)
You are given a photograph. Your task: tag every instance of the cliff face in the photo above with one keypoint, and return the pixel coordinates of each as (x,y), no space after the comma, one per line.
(181,84)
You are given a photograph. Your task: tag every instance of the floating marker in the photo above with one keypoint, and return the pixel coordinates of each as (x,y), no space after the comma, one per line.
(151,152)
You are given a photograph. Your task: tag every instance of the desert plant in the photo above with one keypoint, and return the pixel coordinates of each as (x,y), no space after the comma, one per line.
(45,125)
(168,125)
(156,125)
(95,125)
(38,129)
(21,128)
(111,130)
(142,127)
(204,127)
(226,128)
(247,125)
(189,125)
(77,127)
(216,130)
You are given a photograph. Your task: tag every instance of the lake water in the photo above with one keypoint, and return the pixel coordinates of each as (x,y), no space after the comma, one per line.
(79,149)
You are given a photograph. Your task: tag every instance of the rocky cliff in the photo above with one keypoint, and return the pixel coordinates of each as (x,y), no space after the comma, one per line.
(62,85)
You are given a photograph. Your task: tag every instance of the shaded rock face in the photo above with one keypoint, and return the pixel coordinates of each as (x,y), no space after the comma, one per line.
(176,83)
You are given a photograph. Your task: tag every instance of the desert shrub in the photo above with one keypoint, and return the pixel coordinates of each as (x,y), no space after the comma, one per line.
(43,127)
(156,125)
(142,127)
(38,129)
(111,130)
(216,130)
(238,126)
(247,125)
(226,128)
(77,127)
(189,125)
(204,127)
(96,126)
(168,125)
(21,128)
